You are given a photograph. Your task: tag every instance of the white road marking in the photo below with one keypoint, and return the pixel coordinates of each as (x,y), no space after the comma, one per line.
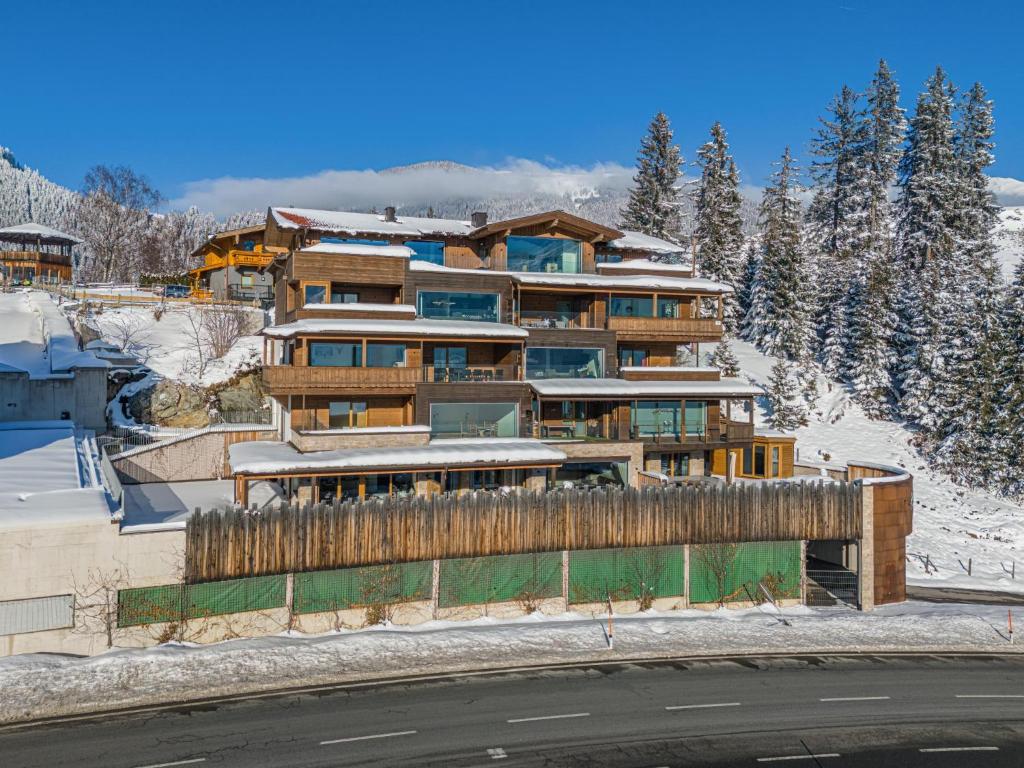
(960,749)
(546,717)
(704,706)
(176,762)
(371,736)
(990,695)
(857,698)
(496,753)
(797,757)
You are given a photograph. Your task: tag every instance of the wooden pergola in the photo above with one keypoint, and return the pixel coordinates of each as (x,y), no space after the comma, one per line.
(33,251)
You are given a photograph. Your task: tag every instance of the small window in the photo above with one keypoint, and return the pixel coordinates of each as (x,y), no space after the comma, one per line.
(759,461)
(314,294)
(608,258)
(775,461)
(246,280)
(632,357)
(748,462)
(343,296)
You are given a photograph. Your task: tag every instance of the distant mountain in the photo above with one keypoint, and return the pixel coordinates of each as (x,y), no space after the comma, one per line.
(25,195)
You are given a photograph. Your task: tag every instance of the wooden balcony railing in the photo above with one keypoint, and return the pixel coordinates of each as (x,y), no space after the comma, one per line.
(299,378)
(666,326)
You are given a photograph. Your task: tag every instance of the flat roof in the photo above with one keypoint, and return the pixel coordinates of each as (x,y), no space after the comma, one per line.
(277,458)
(360,249)
(626,389)
(413,328)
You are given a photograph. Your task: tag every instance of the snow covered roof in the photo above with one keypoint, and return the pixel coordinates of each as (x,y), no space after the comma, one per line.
(268,458)
(34,233)
(49,475)
(355,223)
(669,368)
(460,328)
(654,266)
(360,249)
(360,306)
(36,337)
(621,388)
(638,241)
(599,281)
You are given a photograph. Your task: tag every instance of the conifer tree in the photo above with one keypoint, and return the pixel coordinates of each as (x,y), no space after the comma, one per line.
(784,412)
(747,276)
(718,234)
(838,222)
(653,206)
(725,360)
(1010,383)
(777,320)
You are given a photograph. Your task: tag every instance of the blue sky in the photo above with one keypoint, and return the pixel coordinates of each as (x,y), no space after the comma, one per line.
(186,91)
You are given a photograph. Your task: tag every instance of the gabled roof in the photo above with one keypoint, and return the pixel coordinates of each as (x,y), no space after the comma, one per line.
(36,233)
(346,222)
(597,232)
(228,233)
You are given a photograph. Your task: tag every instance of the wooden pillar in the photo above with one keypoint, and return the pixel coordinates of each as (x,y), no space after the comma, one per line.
(242,490)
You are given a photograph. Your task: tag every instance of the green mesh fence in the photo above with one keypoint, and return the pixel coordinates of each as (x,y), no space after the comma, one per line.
(725,572)
(355,587)
(625,574)
(479,580)
(177,602)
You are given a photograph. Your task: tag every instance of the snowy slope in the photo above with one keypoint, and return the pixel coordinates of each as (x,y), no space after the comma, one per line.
(1010,238)
(951,523)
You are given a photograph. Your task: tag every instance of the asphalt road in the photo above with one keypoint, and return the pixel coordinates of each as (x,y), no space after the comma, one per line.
(952,595)
(825,711)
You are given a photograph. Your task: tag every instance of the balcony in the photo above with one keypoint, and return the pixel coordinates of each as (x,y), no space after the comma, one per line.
(665,328)
(296,379)
(470,373)
(614,429)
(530,318)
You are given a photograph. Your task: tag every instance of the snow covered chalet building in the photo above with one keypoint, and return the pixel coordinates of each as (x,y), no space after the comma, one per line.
(423,355)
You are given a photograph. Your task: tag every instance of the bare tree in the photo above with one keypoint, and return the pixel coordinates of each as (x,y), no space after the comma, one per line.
(195,340)
(224,325)
(128,331)
(718,560)
(113,218)
(95,601)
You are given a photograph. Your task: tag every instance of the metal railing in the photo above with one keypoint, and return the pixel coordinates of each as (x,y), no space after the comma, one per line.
(832,587)
(469,373)
(120,439)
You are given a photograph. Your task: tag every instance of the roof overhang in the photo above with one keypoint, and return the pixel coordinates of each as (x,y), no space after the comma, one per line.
(590,230)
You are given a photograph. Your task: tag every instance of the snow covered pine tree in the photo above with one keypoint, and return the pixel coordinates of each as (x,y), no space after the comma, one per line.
(653,206)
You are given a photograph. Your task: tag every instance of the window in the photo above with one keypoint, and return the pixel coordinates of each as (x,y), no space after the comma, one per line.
(346,413)
(450,357)
(458,306)
(626,306)
(352,241)
(748,462)
(675,464)
(759,460)
(246,280)
(586,474)
(741,411)
(385,355)
(473,419)
(314,294)
(707,307)
(657,418)
(608,258)
(669,307)
(342,296)
(564,363)
(543,254)
(696,417)
(775,461)
(632,357)
(427,250)
(345,354)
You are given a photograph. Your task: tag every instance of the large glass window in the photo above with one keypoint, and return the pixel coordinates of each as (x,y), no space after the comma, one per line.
(696,417)
(314,294)
(657,418)
(385,355)
(427,250)
(473,420)
(543,254)
(346,354)
(447,305)
(346,413)
(343,295)
(632,306)
(632,357)
(564,363)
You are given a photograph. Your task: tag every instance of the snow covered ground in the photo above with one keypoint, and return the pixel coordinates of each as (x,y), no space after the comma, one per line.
(168,345)
(167,506)
(951,524)
(42,685)
(1010,238)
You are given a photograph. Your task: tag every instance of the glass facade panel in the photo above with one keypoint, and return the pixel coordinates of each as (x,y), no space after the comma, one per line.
(345,354)
(626,306)
(314,294)
(458,306)
(427,250)
(564,363)
(385,355)
(658,418)
(342,296)
(696,417)
(543,254)
(669,307)
(473,419)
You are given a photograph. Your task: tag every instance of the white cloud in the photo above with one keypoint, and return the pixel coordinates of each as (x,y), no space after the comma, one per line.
(1007,191)
(417,185)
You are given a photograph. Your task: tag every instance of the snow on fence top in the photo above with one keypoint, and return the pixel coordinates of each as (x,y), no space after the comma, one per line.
(355,223)
(625,388)
(269,458)
(461,328)
(360,249)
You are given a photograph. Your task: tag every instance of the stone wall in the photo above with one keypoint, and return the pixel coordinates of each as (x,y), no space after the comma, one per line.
(202,456)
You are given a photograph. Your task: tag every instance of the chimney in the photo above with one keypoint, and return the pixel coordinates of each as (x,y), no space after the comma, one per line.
(389,213)
(478,219)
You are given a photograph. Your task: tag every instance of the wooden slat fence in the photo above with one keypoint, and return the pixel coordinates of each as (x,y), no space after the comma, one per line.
(233,544)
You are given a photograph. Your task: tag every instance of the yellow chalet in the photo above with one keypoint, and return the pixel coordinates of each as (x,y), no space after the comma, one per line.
(232,266)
